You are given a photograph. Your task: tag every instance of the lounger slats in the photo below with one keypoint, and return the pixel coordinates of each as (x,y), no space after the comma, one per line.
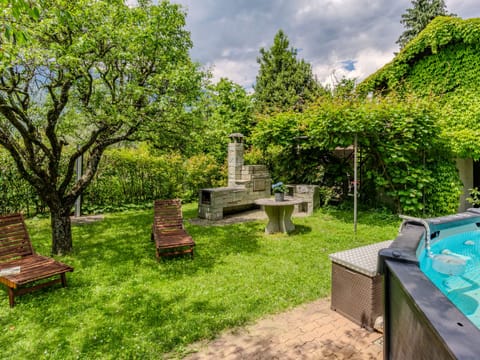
(14,239)
(23,271)
(35,267)
(168,232)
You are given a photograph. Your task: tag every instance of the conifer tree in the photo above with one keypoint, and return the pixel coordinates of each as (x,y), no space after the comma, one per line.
(419,16)
(283,82)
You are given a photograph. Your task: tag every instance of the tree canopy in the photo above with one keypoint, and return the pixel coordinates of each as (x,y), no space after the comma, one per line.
(223,108)
(418,17)
(13,10)
(283,81)
(93,73)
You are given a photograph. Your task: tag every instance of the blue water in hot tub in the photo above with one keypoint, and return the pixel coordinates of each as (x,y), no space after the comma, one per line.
(462,287)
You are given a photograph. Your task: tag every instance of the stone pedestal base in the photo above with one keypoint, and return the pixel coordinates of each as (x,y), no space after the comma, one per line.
(279,214)
(279,219)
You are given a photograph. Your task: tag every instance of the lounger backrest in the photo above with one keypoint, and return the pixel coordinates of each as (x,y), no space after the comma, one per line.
(168,215)
(14,238)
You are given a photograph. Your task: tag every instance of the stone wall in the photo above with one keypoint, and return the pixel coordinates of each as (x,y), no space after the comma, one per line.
(216,202)
(311,195)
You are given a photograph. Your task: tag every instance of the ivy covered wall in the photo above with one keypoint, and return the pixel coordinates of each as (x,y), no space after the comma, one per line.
(425,113)
(443,65)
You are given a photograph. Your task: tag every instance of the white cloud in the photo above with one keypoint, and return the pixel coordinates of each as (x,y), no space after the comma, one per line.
(366,62)
(370,60)
(228,34)
(241,72)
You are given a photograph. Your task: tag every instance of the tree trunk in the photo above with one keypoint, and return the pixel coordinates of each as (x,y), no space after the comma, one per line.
(61,233)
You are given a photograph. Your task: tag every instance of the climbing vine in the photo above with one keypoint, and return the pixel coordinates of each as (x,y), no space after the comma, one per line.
(405,161)
(441,64)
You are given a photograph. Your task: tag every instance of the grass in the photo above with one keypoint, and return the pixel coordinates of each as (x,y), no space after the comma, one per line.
(121,303)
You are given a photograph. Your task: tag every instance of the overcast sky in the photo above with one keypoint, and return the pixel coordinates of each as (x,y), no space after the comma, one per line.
(338,38)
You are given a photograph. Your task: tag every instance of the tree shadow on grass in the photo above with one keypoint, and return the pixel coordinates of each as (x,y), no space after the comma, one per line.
(301,230)
(121,240)
(120,296)
(369,216)
(138,322)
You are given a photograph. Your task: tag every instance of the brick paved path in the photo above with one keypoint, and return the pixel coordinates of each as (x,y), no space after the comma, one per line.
(311,331)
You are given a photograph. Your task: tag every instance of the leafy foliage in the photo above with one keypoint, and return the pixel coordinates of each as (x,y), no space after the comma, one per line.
(12,14)
(201,171)
(223,108)
(127,178)
(441,64)
(401,151)
(283,82)
(474,197)
(137,176)
(93,73)
(419,16)
(16,194)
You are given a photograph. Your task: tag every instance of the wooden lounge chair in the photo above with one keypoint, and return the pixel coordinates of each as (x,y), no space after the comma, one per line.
(168,232)
(21,270)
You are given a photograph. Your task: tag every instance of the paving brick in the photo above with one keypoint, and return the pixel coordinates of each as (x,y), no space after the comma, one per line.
(311,331)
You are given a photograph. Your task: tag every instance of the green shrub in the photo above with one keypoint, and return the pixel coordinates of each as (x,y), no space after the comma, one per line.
(136,176)
(404,161)
(201,172)
(127,178)
(16,194)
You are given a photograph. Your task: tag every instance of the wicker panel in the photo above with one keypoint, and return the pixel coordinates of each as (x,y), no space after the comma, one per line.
(356,296)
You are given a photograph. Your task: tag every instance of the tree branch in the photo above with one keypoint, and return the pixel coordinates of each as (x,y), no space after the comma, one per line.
(12,147)
(79,152)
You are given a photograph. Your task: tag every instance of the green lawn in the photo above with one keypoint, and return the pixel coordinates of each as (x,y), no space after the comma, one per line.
(123,304)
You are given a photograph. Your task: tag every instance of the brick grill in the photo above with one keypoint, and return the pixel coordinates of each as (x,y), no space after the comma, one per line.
(246,183)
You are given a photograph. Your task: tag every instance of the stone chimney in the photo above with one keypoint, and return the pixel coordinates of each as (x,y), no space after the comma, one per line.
(235,158)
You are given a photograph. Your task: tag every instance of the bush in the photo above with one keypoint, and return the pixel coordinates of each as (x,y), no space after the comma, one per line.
(127,178)
(404,161)
(16,194)
(136,176)
(201,172)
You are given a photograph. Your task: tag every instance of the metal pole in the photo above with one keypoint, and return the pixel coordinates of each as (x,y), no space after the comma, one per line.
(355,185)
(78,202)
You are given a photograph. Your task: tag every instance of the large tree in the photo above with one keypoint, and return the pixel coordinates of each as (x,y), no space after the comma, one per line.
(11,11)
(418,17)
(283,81)
(224,108)
(92,74)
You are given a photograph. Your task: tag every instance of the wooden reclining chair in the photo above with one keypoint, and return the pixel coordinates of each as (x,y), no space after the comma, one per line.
(168,232)
(21,270)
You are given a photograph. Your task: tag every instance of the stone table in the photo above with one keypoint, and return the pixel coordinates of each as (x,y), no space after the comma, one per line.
(279,213)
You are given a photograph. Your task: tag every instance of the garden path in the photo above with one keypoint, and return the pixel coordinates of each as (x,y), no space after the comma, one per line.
(311,331)
(250,215)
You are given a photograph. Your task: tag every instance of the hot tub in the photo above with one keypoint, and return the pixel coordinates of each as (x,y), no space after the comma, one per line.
(420,319)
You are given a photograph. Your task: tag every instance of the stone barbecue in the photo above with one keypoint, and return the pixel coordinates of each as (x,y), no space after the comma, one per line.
(246,183)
